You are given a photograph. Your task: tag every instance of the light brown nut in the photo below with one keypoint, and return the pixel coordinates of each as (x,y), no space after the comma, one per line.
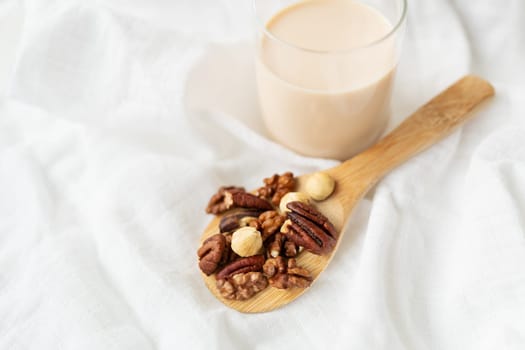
(293,197)
(319,186)
(286,226)
(274,266)
(276,186)
(284,275)
(269,223)
(286,281)
(242,286)
(246,241)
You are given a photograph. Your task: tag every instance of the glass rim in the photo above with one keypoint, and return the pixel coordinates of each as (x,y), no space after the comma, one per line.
(395,28)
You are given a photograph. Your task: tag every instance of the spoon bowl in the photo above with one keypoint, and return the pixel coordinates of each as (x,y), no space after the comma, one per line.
(355,177)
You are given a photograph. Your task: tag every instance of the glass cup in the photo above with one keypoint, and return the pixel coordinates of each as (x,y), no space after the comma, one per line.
(325,71)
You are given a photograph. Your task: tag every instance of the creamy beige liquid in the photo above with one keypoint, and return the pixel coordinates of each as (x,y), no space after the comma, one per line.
(332,104)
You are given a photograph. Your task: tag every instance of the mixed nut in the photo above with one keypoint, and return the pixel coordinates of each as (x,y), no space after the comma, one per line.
(261,233)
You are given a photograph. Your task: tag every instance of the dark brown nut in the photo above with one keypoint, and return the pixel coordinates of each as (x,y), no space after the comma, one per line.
(310,229)
(229,255)
(242,286)
(243,265)
(247,200)
(286,275)
(211,253)
(269,223)
(217,203)
(313,215)
(235,197)
(307,234)
(238,218)
(290,249)
(276,186)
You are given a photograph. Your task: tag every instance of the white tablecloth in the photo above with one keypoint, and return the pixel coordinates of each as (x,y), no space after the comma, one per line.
(119,118)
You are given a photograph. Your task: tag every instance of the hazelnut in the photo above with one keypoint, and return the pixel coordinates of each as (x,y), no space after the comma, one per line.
(320,186)
(246,241)
(293,197)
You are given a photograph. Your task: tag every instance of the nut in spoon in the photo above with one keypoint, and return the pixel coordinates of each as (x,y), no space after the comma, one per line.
(426,126)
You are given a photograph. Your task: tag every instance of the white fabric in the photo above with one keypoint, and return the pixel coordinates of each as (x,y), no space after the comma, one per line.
(121,117)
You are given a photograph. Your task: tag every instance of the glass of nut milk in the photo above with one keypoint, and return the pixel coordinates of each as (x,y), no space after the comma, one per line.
(325,70)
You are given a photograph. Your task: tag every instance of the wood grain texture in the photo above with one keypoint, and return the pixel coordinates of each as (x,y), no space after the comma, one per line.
(270,298)
(429,124)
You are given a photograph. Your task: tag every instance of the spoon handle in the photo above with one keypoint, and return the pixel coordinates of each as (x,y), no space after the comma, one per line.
(429,124)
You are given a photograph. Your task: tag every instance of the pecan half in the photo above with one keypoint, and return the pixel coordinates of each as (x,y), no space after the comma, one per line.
(239,218)
(218,203)
(235,197)
(313,215)
(284,275)
(276,186)
(243,265)
(310,229)
(211,253)
(247,200)
(229,255)
(242,286)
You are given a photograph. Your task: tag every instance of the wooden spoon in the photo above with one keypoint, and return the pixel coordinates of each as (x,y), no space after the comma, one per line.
(429,124)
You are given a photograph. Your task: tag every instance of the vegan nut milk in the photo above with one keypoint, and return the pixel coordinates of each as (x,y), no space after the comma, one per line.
(324,72)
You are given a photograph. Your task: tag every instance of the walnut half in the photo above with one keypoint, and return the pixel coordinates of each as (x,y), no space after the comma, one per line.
(284,274)
(270,222)
(276,186)
(242,286)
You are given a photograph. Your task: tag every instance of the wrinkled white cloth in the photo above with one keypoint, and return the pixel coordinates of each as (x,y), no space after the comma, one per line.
(118,120)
